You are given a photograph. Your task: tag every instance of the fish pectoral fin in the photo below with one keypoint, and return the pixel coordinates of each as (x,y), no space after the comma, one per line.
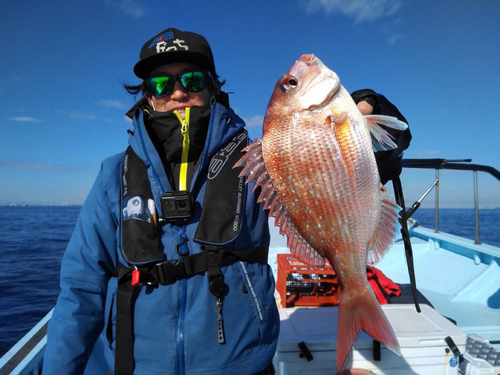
(389,121)
(381,139)
(338,118)
(385,233)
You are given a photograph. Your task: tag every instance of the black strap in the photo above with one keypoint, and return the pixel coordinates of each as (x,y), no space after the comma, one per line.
(398,192)
(166,273)
(124,356)
(377,350)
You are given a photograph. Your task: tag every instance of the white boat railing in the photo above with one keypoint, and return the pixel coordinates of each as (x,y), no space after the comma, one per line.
(26,357)
(438,164)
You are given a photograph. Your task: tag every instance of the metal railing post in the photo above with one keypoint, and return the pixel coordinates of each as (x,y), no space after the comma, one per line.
(458,164)
(476,208)
(437,202)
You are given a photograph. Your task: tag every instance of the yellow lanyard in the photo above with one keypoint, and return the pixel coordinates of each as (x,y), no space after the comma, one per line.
(185,147)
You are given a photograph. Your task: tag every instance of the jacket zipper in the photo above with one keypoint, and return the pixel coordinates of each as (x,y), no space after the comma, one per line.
(182,313)
(183,186)
(182,230)
(185,147)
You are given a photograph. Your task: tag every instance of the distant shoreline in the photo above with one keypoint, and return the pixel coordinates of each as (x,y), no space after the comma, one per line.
(23,205)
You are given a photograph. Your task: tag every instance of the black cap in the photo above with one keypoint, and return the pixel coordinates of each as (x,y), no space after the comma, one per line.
(173,46)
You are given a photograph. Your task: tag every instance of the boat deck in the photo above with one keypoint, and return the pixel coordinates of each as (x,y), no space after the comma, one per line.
(459,279)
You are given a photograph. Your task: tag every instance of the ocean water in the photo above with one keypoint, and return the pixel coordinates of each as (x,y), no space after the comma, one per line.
(33,240)
(32,243)
(461,222)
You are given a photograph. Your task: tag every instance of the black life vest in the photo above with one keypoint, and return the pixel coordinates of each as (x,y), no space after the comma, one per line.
(219,224)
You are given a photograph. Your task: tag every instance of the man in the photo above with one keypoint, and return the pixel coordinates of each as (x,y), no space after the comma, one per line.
(166,271)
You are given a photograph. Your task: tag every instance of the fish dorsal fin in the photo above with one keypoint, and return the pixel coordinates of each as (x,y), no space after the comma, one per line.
(381,139)
(255,169)
(385,233)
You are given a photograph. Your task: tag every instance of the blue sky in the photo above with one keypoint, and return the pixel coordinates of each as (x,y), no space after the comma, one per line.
(63,64)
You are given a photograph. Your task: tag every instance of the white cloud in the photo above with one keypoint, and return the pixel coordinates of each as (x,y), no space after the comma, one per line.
(76,115)
(255,121)
(38,167)
(127,7)
(110,104)
(25,119)
(81,115)
(392,31)
(361,10)
(393,38)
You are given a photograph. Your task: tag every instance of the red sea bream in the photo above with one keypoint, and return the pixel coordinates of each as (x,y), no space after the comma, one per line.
(316,169)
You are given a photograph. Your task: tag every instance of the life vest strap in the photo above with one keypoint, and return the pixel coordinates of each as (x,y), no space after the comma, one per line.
(168,272)
(165,273)
(124,354)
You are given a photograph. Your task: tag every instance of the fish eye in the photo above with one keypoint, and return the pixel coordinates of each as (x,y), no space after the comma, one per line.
(292,82)
(289,83)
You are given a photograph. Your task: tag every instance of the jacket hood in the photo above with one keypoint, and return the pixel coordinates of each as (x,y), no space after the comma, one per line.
(140,104)
(224,124)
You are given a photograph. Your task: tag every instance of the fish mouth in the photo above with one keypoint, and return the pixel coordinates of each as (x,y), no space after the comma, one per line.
(314,85)
(321,84)
(328,99)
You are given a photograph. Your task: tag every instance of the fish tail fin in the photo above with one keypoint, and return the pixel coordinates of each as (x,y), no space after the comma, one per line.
(362,312)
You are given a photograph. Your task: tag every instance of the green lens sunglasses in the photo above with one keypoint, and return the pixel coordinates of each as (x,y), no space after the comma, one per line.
(192,81)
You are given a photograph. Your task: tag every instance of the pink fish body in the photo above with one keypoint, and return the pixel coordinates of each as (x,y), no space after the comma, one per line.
(319,179)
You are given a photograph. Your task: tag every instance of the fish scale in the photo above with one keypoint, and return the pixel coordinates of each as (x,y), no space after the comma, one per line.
(329,178)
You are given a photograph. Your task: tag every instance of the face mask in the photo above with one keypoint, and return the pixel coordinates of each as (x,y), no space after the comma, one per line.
(167,128)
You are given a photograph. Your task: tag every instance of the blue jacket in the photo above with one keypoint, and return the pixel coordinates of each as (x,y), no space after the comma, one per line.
(175,326)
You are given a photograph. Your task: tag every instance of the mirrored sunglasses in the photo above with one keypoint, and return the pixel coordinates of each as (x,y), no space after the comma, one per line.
(193,81)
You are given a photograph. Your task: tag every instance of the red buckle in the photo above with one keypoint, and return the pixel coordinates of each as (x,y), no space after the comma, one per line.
(136,276)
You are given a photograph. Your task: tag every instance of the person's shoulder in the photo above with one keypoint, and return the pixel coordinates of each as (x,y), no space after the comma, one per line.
(111,170)
(112,162)
(226,119)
